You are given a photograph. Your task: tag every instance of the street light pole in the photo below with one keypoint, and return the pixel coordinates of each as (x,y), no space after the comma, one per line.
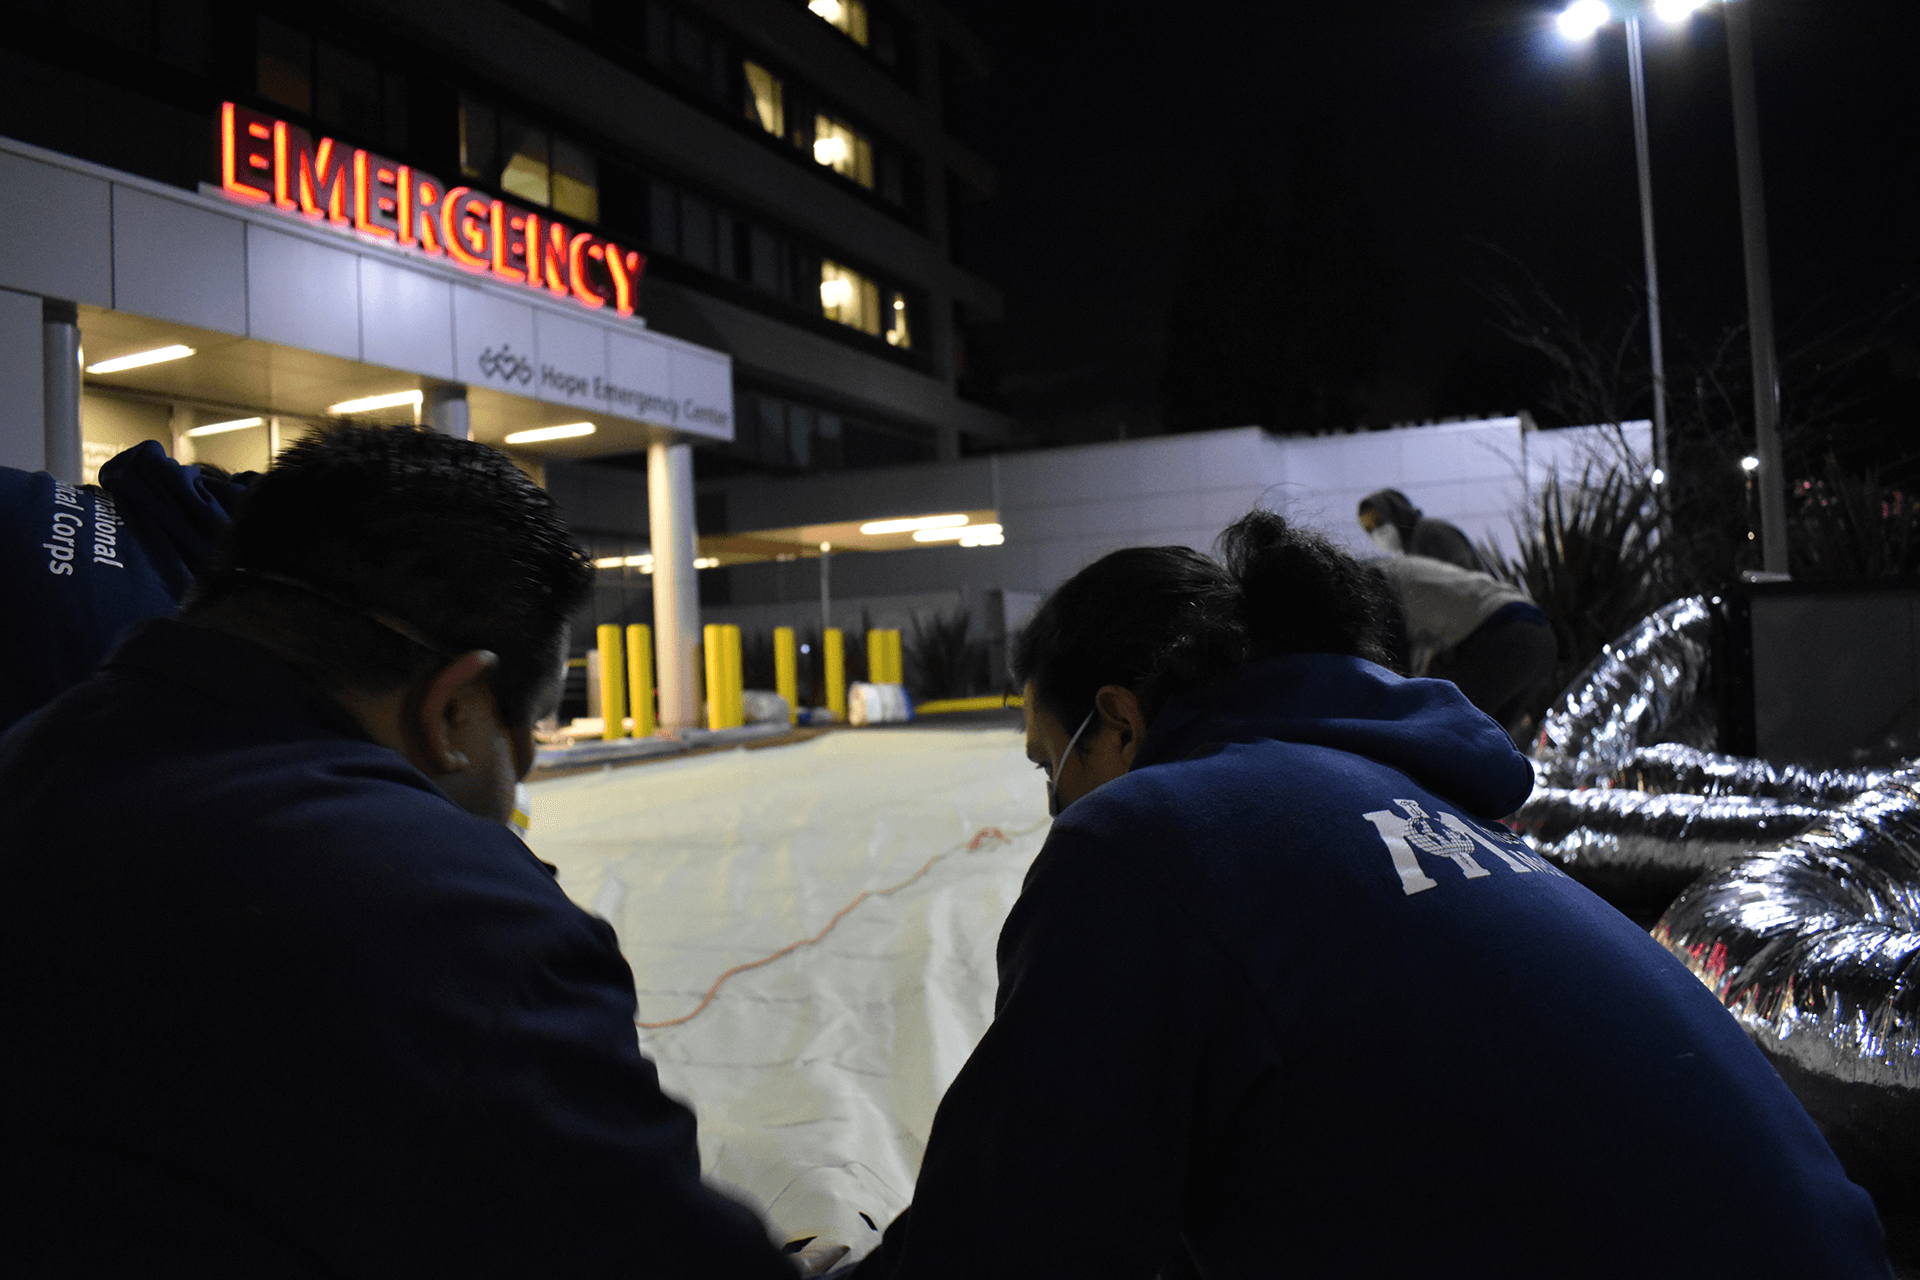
(1636,74)
(1771,477)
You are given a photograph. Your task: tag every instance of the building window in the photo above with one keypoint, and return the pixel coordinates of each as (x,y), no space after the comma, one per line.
(341,89)
(576,187)
(897,333)
(842,150)
(848,15)
(283,66)
(528,161)
(523,152)
(766,101)
(849,298)
(347,92)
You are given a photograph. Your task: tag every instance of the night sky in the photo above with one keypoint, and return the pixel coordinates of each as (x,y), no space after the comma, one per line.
(1475,145)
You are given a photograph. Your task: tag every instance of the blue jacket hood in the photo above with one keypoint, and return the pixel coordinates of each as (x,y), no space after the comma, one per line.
(1425,728)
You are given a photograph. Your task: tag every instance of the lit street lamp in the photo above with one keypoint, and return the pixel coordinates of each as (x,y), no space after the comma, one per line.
(1578,22)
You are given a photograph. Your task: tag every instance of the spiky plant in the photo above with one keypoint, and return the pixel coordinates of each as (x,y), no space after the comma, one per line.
(941,661)
(1589,556)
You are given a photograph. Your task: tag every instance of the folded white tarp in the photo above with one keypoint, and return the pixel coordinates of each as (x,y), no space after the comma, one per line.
(814,1076)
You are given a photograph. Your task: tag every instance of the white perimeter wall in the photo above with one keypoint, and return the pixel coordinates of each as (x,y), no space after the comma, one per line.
(1062,508)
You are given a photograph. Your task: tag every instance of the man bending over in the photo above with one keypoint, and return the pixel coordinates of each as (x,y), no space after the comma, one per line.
(283,995)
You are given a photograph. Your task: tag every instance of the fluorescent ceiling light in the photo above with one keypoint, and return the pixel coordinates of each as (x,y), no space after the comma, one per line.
(159,355)
(642,562)
(948,535)
(911,523)
(367,404)
(565,431)
(215,428)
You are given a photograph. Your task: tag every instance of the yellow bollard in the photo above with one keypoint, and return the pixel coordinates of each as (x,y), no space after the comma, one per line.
(876,656)
(786,671)
(896,658)
(716,681)
(640,678)
(833,656)
(613,682)
(736,675)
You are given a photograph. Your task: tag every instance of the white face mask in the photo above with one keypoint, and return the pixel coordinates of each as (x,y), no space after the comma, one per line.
(1053,779)
(1386,537)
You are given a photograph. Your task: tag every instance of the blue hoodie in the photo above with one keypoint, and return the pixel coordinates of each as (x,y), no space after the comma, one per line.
(1286,998)
(80,565)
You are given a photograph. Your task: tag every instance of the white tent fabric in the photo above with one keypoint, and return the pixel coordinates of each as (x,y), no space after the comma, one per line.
(814,1076)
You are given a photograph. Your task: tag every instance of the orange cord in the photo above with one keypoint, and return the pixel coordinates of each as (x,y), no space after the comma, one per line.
(980,839)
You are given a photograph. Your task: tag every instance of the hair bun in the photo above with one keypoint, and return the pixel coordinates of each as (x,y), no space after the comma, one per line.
(1302,593)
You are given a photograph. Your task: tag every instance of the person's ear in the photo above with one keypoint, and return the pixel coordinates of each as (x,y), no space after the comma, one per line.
(1120,714)
(454,696)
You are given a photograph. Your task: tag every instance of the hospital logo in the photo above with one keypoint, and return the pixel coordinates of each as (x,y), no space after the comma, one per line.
(505,365)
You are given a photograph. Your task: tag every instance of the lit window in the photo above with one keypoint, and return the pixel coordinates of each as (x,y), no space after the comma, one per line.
(897,333)
(576,184)
(848,15)
(766,106)
(842,150)
(524,172)
(528,162)
(849,298)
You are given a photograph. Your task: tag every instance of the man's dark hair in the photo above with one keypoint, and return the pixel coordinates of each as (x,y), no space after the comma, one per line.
(445,537)
(1167,621)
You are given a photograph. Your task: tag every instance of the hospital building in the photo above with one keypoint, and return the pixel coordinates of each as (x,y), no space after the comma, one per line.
(642,246)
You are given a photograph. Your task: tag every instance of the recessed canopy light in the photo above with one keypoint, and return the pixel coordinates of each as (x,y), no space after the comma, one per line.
(367,404)
(215,428)
(981,531)
(565,431)
(159,355)
(910,523)
(643,562)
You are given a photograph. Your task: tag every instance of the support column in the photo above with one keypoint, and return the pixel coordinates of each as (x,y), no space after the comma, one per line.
(180,422)
(23,436)
(60,387)
(447,412)
(676,589)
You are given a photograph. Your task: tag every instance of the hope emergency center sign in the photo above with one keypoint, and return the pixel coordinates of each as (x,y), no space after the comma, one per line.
(270,162)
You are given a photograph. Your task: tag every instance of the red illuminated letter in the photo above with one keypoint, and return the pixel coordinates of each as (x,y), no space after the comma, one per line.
(625,266)
(318,174)
(506,244)
(420,211)
(550,252)
(283,165)
(465,228)
(246,153)
(584,287)
(376,196)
